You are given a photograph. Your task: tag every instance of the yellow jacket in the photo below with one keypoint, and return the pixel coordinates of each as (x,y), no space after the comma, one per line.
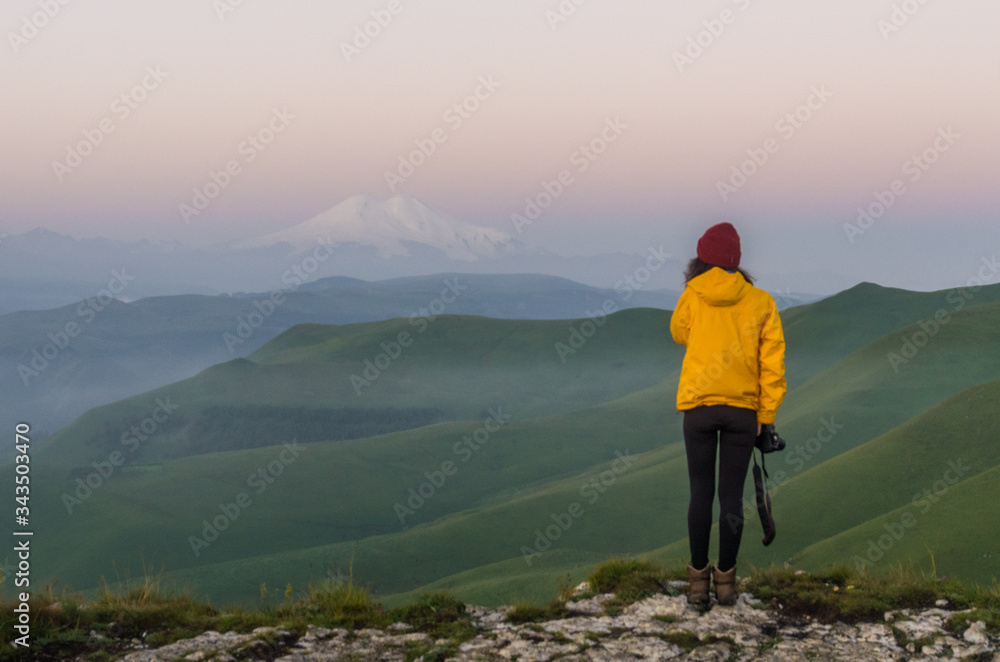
(735,345)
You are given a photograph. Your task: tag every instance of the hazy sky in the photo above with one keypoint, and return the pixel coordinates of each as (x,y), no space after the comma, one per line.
(840,97)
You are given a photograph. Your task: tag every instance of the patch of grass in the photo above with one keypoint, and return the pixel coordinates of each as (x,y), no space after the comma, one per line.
(61,622)
(842,594)
(985,606)
(432,652)
(269,646)
(527,613)
(688,641)
(903,640)
(630,580)
(340,604)
(959,623)
(440,615)
(566,588)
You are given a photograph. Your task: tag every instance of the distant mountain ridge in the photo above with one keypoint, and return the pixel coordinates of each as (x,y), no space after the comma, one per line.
(392,227)
(362,237)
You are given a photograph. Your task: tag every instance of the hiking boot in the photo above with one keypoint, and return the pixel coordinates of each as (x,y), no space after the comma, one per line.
(725,586)
(698,591)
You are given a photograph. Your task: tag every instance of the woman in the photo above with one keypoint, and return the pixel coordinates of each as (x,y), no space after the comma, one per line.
(732,382)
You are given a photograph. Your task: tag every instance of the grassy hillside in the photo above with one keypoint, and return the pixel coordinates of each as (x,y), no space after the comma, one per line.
(865,395)
(310,377)
(864,487)
(642,506)
(352,486)
(459,366)
(647,503)
(510,481)
(822,333)
(952,535)
(639,508)
(123,349)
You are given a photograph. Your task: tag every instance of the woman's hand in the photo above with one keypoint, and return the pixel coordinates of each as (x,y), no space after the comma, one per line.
(760,427)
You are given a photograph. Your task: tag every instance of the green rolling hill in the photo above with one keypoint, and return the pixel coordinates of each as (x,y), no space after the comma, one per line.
(820,334)
(456,369)
(122,349)
(164,497)
(867,396)
(643,504)
(953,536)
(954,441)
(346,489)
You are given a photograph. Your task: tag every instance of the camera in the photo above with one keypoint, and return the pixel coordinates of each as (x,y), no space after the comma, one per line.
(768,440)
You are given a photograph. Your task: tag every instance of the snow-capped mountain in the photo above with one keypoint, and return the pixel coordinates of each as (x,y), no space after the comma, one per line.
(368,239)
(392,227)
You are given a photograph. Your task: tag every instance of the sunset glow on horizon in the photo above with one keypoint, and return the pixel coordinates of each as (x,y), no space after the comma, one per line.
(118,114)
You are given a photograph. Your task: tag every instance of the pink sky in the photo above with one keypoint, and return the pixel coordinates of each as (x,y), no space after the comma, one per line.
(558,84)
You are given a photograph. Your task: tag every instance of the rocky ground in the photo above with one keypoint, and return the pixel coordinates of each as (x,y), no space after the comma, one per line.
(658,628)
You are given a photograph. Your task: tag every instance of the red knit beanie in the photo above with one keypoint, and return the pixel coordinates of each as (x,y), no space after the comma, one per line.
(720,246)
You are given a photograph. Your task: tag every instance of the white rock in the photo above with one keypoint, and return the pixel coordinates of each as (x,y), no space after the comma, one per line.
(976,633)
(592,607)
(629,648)
(640,632)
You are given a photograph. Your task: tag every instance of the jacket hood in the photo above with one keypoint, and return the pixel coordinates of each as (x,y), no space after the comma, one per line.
(718,287)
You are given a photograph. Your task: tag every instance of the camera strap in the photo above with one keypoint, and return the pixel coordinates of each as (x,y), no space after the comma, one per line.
(760,477)
(763,462)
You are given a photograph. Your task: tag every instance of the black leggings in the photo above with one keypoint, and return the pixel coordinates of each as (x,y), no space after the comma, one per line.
(734,430)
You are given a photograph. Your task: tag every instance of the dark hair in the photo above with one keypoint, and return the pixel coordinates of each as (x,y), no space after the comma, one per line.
(697,267)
